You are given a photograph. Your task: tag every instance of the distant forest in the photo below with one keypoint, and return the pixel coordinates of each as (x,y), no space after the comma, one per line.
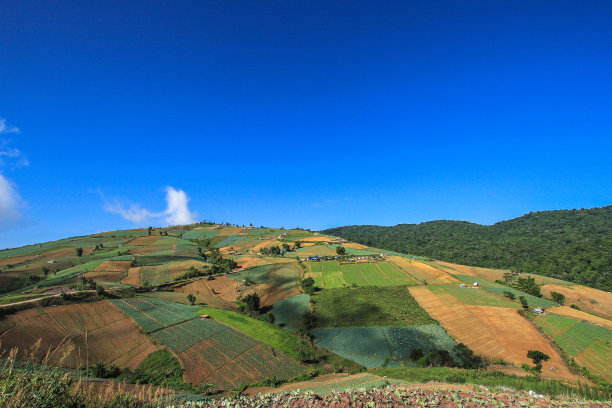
(573,245)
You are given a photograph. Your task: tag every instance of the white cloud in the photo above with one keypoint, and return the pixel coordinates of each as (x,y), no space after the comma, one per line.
(177,210)
(10,204)
(4,128)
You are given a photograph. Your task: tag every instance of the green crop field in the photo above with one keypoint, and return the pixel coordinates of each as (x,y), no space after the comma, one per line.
(500,289)
(264,332)
(363,381)
(229,240)
(289,313)
(368,306)
(590,345)
(470,296)
(201,234)
(283,275)
(332,274)
(371,346)
(154,314)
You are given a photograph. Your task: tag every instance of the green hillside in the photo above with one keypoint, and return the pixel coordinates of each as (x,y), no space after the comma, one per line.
(573,245)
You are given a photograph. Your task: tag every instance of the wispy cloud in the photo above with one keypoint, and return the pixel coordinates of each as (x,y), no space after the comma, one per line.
(177,210)
(4,128)
(11,203)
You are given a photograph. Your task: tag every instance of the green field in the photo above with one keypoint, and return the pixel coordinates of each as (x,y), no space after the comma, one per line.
(590,345)
(371,346)
(500,289)
(470,296)
(289,313)
(154,314)
(284,275)
(261,331)
(229,240)
(333,274)
(368,306)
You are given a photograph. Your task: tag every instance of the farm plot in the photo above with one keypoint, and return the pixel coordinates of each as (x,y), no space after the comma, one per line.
(278,281)
(589,345)
(179,297)
(470,296)
(422,272)
(499,289)
(493,332)
(588,299)
(229,240)
(71,332)
(210,351)
(201,233)
(493,274)
(289,312)
(332,274)
(167,272)
(367,306)
(580,315)
(372,346)
(314,250)
(153,314)
(109,271)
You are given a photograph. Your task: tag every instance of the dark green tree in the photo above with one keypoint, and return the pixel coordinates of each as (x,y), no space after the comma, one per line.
(191,298)
(537,357)
(524,302)
(79,251)
(558,297)
(340,250)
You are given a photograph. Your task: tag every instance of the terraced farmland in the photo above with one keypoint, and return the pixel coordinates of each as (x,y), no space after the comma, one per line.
(154,314)
(98,330)
(373,346)
(588,344)
(276,281)
(493,332)
(210,351)
(422,272)
(167,272)
(289,312)
(588,299)
(333,274)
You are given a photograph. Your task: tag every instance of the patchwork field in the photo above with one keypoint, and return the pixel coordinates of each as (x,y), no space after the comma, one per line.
(494,274)
(332,274)
(201,233)
(224,288)
(154,314)
(158,274)
(581,316)
(493,332)
(368,306)
(589,345)
(588,299)
(274,282)
(289,312)
(210,351)
(455,295)
(375,346)
(98,331)
(422,272)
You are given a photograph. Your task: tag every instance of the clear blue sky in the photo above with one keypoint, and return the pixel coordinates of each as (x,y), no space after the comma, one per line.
(287,113)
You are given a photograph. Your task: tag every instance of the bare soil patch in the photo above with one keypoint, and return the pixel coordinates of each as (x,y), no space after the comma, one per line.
(588,299)
(421,271)
(133,277)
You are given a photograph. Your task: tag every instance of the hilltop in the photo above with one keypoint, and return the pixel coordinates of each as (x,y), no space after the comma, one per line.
(209,311)
(573,245)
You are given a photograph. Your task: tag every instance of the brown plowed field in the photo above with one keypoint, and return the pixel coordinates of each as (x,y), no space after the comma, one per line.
(105,276)
(316,239)
(232,231)
(87,332)
(144,241)
(580,315)
(133,277)
(353,245)
(266,243)
(225,288)
(588,299)
(493,332)
(113,266)
(423,271)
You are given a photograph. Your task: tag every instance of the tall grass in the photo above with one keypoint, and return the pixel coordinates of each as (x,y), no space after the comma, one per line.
(37,385)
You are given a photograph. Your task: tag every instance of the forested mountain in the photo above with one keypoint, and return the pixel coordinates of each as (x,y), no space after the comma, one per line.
(574,245)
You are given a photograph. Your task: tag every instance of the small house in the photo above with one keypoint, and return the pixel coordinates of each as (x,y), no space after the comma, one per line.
(462,285)
(537,310)
(475,284)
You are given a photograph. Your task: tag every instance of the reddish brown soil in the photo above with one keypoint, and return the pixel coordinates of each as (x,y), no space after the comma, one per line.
(133,277)
(422,271)
(493,332)
(77,334)
(140,241)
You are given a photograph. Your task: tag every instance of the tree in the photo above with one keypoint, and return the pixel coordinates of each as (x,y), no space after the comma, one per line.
(509,295)
(298,244)
(286,247)
(508,277)
(150,229)
(191,298)
(79,251)
(524,302)
(271,318)
(45,270)
(537,357)
(558,297)
(99,290)
(251,302)
(308,286)
(340,250)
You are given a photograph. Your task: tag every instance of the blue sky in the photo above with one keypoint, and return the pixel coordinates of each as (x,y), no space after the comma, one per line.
(312,114)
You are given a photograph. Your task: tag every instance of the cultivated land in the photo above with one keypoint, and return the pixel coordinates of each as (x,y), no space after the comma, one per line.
(366,313)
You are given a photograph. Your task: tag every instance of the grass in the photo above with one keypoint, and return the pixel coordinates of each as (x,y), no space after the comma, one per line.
(368,306)
(470,296)
(259,330)
(333,274)
(289,312)
(283,275)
